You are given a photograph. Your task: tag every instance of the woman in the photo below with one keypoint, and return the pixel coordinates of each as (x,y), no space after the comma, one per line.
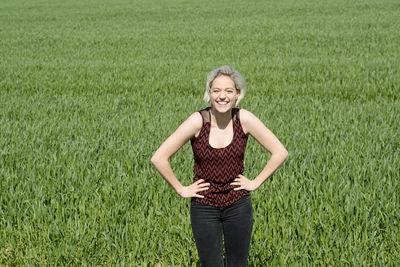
(220,207)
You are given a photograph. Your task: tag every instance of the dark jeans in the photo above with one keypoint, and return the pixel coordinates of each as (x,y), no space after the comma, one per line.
(234,223)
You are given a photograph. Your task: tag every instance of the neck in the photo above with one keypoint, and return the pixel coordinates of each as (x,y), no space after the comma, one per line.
(221,119)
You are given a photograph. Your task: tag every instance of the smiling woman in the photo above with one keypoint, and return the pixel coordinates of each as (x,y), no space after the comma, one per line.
(235,77)
(223,94)
(221,208)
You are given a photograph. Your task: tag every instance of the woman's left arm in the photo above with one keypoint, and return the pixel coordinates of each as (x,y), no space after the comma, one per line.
(253,126)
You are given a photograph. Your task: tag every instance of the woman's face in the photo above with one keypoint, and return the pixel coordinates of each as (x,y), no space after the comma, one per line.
(223,94)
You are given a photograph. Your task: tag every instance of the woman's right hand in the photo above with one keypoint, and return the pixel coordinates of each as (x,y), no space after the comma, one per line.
(193,189)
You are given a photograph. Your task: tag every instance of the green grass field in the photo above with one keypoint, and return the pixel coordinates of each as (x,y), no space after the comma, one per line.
(90,89)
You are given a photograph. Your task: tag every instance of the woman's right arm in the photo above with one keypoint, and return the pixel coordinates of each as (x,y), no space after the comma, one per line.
(160,159)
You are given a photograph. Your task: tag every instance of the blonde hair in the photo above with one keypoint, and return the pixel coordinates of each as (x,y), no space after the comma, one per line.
(230,72)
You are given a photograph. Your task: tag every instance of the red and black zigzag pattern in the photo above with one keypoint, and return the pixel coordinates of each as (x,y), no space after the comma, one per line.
(219,166)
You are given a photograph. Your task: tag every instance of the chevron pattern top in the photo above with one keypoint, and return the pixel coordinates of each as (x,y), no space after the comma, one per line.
(219,166)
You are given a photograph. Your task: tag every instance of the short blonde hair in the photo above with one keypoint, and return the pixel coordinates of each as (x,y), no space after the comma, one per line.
(230,72)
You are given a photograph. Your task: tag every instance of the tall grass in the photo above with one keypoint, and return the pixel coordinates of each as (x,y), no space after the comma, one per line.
(90,89)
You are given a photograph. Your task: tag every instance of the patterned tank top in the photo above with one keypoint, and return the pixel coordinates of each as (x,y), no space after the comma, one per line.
(219,166)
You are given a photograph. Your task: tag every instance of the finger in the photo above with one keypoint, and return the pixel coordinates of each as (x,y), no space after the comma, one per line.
(242,177)
(235,183)
(199,181)
(199,196)
(237,188)
(202,189)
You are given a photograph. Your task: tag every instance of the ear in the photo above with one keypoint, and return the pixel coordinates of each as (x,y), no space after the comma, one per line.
(238,92)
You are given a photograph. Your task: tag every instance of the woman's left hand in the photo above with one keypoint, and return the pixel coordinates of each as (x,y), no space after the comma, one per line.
(244,183)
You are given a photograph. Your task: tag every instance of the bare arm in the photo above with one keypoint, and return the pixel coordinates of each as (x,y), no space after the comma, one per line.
(252,125)
(160,159)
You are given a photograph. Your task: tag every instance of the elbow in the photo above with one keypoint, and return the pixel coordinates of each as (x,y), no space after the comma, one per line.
(154,159)
(284,154)
(281,155)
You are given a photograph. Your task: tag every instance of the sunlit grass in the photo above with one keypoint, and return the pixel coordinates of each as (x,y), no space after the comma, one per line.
(90,89)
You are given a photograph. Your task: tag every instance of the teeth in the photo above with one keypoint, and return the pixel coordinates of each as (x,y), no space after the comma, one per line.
(222,103)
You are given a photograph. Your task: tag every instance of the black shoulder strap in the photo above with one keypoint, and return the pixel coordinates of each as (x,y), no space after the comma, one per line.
(235,114)
(205,114)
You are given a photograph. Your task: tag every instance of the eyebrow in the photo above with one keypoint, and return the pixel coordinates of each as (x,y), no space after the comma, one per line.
(224,89)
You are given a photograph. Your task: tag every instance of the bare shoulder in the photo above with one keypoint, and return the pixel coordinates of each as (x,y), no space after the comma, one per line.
(195,120)
(248,120)
(176,140)
(246,115)
(193,124)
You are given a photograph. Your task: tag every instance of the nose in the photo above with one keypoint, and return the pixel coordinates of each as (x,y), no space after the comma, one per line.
(222,95)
